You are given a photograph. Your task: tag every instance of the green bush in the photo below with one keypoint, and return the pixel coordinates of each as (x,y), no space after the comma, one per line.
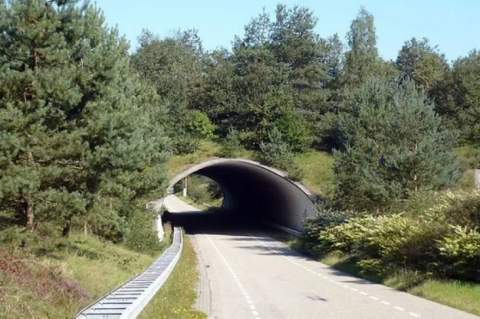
(326,217)
(461,251)
(199,125)
(294,130)
(439,238)
(231,144)
(185,144)
(276,153)
(142,236)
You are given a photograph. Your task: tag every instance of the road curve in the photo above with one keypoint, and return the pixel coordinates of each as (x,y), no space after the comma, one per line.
(246,274)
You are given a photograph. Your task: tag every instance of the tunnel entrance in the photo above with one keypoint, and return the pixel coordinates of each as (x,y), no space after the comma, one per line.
(256,192)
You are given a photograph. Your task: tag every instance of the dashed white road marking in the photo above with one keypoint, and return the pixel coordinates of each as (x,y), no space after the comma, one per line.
(237,281)
(336,282)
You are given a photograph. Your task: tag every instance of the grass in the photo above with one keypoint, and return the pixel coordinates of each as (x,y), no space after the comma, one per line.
(456,294)
(55,278)
(176,298)
(190,201)
(468,156)
(206,150)
(318,172)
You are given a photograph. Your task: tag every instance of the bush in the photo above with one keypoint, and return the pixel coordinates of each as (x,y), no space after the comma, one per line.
(185,144)
(439,239)
(200,126)
(142,237)
(231,144)
(294,130)
(326,217)
(461,251)
(276,153)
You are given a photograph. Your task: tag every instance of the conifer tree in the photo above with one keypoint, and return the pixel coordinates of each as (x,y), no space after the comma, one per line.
(392,145)
(76,124)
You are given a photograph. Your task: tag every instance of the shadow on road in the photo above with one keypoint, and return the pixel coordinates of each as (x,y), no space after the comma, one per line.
(241,230)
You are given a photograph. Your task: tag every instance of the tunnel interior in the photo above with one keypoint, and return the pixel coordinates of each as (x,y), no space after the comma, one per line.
(255,192)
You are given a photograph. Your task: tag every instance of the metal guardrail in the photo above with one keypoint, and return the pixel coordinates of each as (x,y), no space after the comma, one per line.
(128,300)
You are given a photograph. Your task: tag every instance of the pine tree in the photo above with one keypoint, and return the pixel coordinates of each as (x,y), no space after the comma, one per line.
(76,124)
(392,145)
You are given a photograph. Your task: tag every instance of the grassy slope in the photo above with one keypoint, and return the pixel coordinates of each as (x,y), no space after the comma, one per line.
(55,278)
(175,299)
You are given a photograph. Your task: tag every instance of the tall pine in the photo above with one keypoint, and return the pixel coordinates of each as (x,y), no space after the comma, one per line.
(77,126)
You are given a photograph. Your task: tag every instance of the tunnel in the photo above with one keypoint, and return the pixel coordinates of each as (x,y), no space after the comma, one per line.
(257,192)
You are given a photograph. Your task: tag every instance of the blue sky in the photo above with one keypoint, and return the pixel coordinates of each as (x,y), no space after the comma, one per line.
(453,25)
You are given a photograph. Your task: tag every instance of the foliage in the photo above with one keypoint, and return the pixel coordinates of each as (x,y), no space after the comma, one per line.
(231,144)
(185,144)
(391,146)
(440,238)
(294,130)
(142,236)
(76,123)
(275,152)
(174,66)
(56,277)
(466,88)
(200,125)
(462,254)
(202,190)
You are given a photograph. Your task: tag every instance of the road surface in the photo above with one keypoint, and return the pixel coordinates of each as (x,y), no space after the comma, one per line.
(246,274)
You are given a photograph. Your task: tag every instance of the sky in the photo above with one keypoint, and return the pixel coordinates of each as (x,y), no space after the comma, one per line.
(452,25)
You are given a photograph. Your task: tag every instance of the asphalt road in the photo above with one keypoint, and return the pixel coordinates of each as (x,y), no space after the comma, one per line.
(245,273)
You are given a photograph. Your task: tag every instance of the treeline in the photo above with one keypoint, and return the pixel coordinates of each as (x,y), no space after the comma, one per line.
(86,127)
(283,88)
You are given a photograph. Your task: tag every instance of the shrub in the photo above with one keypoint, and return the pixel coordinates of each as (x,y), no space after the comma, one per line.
(326,217)
(294,130)
(276,153)
(200,126)
(231,144)
(461,251)
(142,236)
(185,144)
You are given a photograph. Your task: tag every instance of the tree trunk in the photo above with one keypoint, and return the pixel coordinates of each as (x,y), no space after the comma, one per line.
(28,204)
(66,229)
(85,229)
(29,212)
(415,178)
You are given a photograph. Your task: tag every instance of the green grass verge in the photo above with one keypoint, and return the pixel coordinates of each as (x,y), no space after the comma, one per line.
(176,298)
(318,172)
(456,294)
(55,278)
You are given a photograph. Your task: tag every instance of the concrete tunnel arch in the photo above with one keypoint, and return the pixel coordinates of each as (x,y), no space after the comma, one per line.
(257,191)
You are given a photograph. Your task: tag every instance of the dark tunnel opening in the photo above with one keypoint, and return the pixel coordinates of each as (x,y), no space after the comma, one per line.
(254,193)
